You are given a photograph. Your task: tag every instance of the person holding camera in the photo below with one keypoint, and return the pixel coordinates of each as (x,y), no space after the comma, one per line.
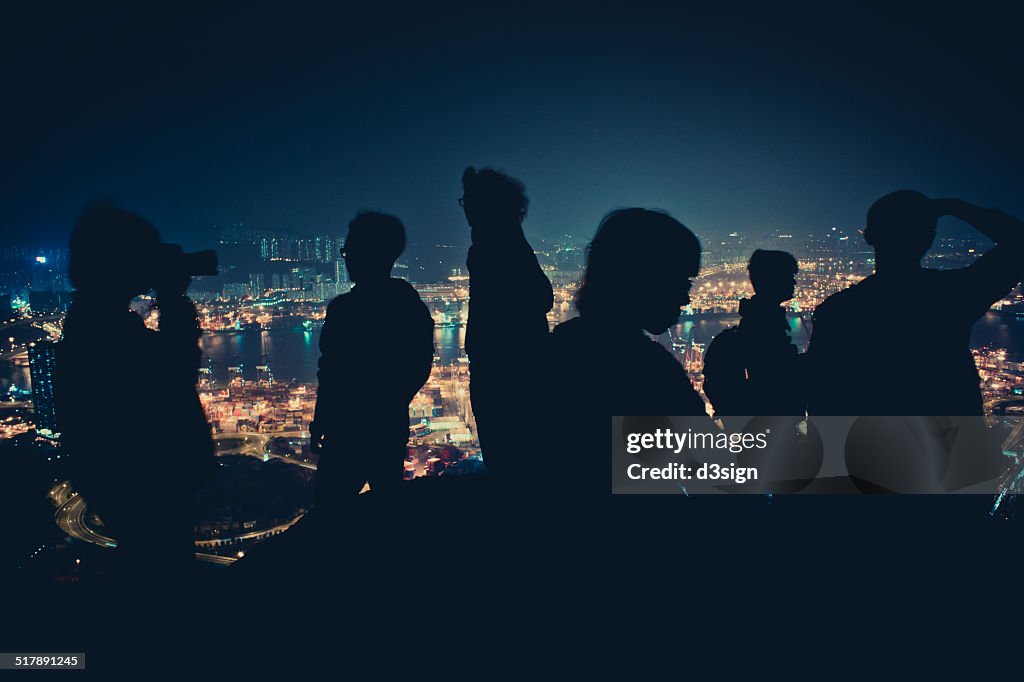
(131,420)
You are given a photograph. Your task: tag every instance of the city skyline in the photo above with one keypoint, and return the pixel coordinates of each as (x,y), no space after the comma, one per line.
(276,464)
(242,251)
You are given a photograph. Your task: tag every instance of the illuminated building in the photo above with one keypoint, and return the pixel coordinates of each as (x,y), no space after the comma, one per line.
(41,363)
(257,284)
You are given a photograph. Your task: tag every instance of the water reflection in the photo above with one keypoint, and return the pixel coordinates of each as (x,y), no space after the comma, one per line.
(294,354)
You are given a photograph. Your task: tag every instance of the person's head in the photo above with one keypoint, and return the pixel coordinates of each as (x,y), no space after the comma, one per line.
(373,244)
(113,252)
(639,266)
(901,227)
(773,274)
(492,199)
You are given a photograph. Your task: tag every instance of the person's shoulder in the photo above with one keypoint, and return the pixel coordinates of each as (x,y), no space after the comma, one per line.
(938,278)
(568,339)
(339,303)
(569,330)
(665,379)
(656,354)
(723,343)
(725,337)
(399,287)
(404,297)
(851,297)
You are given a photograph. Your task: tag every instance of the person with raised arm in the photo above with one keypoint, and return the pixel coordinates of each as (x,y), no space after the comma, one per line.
(897,343)
(509,299)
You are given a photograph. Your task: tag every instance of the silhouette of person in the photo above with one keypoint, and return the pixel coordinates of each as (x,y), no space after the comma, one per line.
(752,369)
(509,298)
(129,413)
(637,279)
(897,343)
(377,349)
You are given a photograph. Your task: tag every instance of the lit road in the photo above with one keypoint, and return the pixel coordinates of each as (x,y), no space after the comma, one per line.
(71,507)
(21,321)
(60,493)
(255,535)
(304,465)
(256,444)
(19,351)
(71,519)
(214,559)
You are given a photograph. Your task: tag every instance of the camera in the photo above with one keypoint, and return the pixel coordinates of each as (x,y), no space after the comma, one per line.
(173,261)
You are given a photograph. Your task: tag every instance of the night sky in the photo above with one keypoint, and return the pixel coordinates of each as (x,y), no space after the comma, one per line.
(295,118)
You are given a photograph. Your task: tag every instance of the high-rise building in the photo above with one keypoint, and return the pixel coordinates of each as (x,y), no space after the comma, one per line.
(48,301)
(41,367)
(330,252)
(257,284)
(47,275)
(235,290)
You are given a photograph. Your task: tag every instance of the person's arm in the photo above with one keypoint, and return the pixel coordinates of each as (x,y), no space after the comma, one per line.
(998,226)
(178,338)
(327,377)
(725,381)
(171,390)
(995,273)
(421,356)
(507,286)
(542,295)
(821,375)
(508,273)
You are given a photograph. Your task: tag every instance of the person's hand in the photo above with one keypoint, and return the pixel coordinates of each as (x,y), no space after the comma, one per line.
(974,214)
(1005,220)
(944,206)
(170,287)
(952,207)
(316,438)
(168,279)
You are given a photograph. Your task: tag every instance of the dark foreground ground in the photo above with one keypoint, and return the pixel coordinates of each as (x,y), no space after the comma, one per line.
(484,582)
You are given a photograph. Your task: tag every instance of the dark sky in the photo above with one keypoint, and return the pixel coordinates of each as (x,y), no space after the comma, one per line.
(296,117)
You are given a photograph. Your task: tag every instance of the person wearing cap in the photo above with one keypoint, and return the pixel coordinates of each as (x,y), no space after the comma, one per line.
(130,418)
